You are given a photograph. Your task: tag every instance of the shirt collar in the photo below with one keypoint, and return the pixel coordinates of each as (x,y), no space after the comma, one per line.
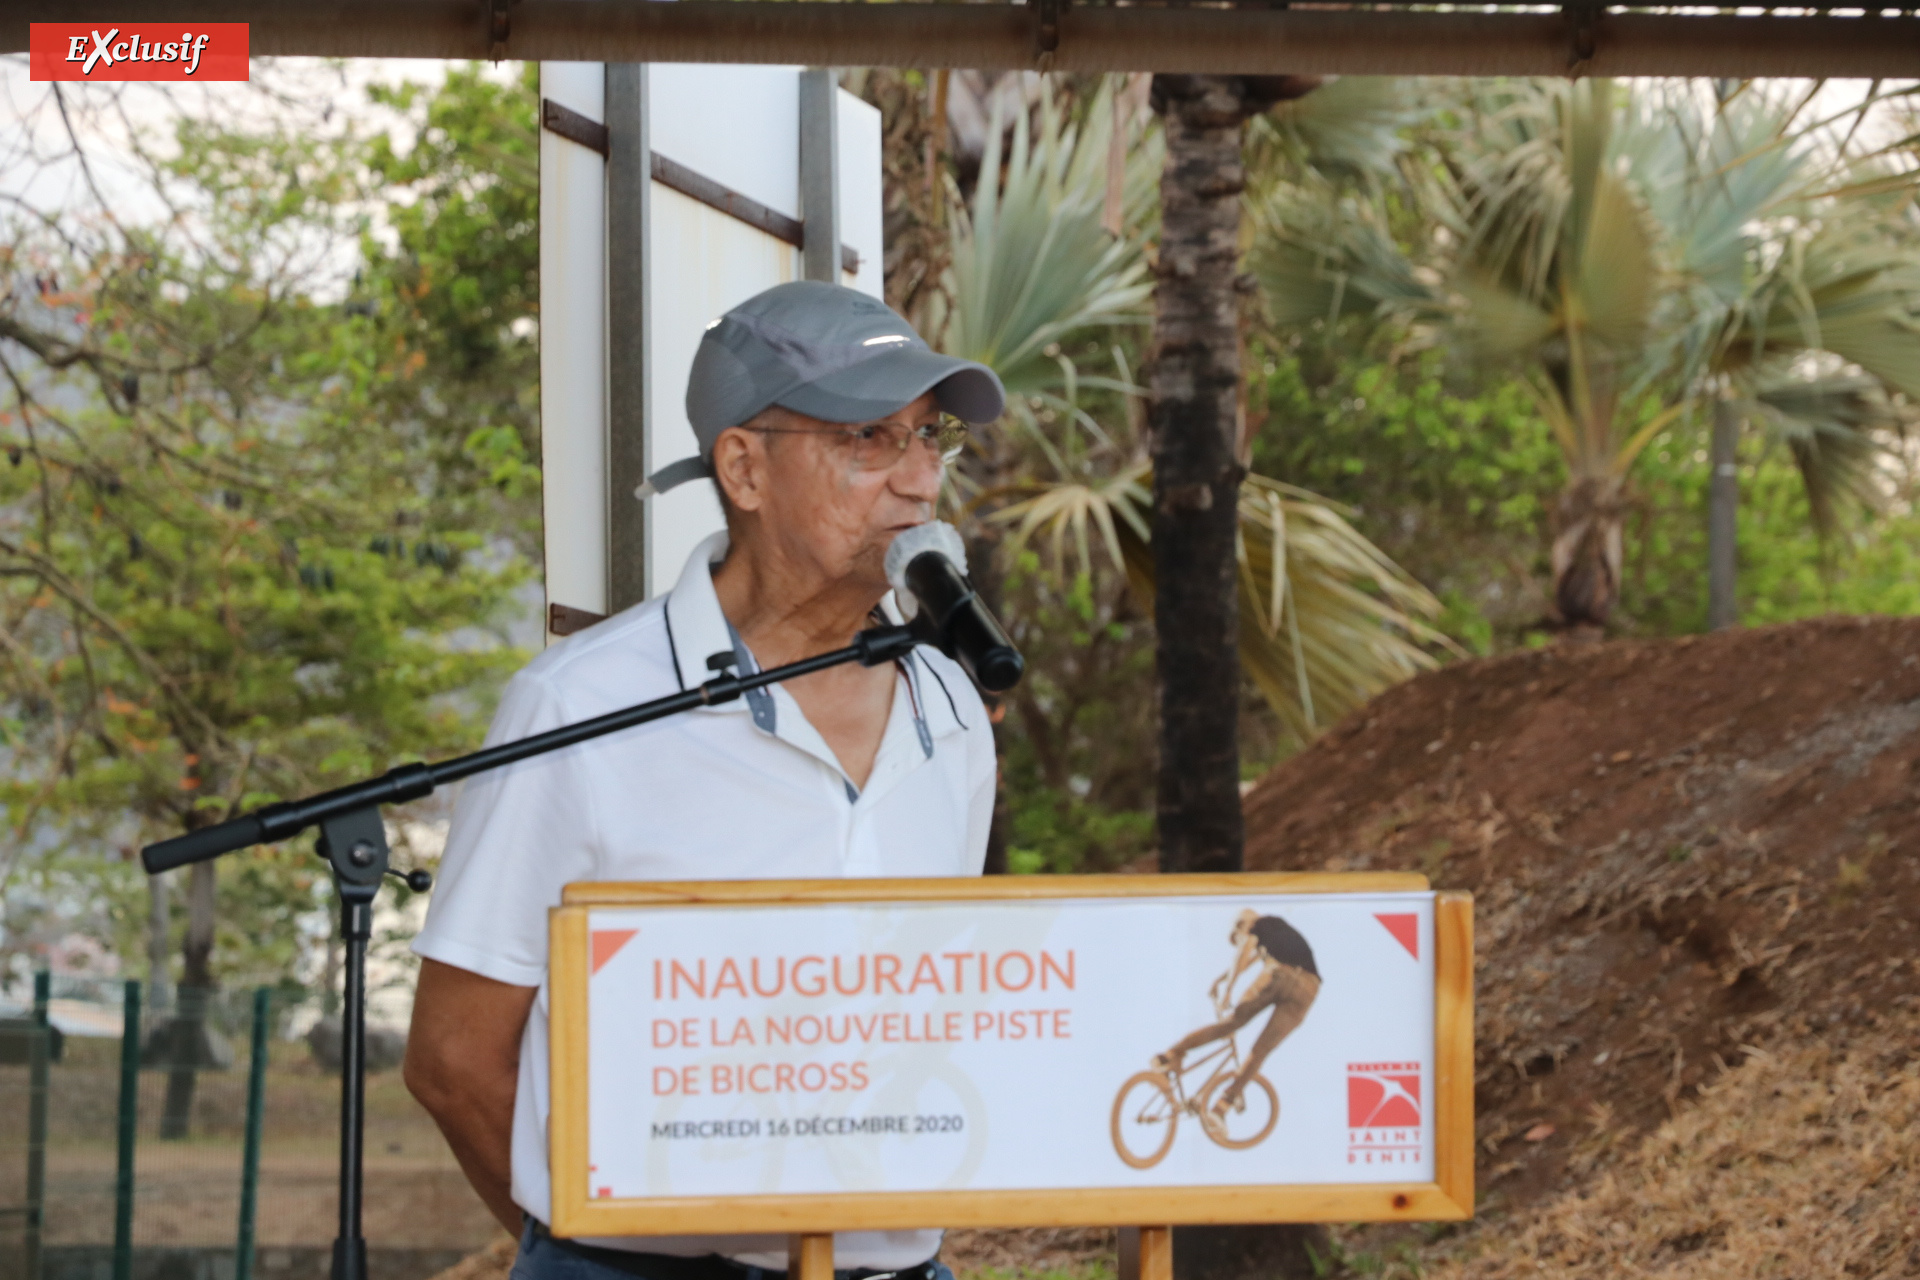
(697,628)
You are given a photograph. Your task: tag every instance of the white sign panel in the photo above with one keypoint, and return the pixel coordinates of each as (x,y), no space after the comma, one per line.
(861,1049)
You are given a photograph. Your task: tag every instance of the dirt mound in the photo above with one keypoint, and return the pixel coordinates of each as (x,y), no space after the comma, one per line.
(1681,850)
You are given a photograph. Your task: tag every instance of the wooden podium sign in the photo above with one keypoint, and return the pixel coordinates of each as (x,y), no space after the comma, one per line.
(813,1056)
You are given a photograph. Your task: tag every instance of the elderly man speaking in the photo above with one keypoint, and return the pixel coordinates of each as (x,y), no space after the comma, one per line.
(825,421)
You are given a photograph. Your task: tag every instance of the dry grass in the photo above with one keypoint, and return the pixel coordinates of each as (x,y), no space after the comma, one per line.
(1033,1253)
(1804,1161)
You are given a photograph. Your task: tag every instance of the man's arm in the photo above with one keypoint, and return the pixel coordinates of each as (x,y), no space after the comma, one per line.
(463,1064)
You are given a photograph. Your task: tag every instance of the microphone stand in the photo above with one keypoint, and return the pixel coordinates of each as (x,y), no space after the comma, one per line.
(353,840)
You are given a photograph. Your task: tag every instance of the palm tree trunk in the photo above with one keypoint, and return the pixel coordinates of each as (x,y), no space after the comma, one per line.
(1195,422)
(1587,552)
(1194,428)
(1723,508)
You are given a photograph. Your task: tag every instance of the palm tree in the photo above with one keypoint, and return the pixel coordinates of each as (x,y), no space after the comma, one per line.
(1800,282)
(1323,618)
(1318,616)
(1195,415)
(1199,450)
(1559,273)
(1635,258)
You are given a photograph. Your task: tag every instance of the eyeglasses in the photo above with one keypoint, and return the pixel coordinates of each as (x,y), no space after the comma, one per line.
(878,446)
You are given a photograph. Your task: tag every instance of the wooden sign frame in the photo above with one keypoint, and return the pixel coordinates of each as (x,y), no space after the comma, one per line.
(577,1213)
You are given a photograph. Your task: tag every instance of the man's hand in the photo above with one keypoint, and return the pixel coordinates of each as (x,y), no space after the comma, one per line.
(463,1064)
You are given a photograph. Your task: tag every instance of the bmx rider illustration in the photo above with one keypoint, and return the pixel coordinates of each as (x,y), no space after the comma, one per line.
(1236,1106)
(1287,984)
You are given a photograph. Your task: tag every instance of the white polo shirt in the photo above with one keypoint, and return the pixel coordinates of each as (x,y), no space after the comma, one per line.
(743,791)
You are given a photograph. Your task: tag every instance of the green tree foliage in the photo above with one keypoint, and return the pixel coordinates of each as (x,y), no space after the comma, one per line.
(1453,478)
(1869,562)
(1325,619)
(238,558)
(460,282)
(1447,477)
(1613,248)
(1076,776)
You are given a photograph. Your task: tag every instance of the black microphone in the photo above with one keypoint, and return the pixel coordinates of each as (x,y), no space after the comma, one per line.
(927,567)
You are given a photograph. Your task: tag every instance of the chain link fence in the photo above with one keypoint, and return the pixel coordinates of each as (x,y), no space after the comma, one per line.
(185,1154)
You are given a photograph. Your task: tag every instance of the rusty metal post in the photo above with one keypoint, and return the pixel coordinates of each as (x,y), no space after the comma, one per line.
(629,218)
(820,174)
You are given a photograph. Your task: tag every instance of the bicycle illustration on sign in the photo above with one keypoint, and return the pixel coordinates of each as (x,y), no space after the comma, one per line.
(1236,1106)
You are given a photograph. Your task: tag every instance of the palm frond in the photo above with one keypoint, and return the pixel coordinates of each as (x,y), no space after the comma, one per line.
(1322,256)
(1326,619)
(1503,323)
(1350,129)
(1617,276)
(1836,427)
(1032,262)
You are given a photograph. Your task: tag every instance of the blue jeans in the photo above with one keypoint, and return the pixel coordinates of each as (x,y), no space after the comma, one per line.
(544,1258)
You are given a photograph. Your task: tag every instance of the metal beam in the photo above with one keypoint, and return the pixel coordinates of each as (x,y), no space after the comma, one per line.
(820,175)
(629,228)
(592,135)
(1004,36)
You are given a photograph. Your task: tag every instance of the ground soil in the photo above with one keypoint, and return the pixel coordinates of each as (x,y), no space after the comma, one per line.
(187,1193)
(1696,894)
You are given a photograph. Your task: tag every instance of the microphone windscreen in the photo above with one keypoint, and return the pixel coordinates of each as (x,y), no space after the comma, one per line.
(935,535)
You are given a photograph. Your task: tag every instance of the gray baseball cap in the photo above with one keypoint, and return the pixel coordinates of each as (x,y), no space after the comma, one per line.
(823,350)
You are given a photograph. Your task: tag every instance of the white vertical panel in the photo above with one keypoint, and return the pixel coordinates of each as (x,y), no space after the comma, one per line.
(739,125)
(862,222)
(573,374)
(704,262)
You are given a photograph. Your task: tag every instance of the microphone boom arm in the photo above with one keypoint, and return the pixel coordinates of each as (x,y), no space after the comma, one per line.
(405,782)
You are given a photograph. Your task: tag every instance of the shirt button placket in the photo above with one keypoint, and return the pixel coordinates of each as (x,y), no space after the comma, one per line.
(849,827)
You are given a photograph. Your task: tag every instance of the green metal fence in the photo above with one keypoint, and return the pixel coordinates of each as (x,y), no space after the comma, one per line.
(195,1138)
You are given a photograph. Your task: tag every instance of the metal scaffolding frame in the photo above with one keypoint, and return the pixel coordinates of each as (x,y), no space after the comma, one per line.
(1584,38)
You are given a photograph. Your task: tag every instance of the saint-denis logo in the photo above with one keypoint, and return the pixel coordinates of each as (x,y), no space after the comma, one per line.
(138,51)
(1383,1113)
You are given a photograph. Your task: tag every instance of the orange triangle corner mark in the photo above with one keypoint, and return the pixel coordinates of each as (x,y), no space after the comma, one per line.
(1404,926)
(607,944)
